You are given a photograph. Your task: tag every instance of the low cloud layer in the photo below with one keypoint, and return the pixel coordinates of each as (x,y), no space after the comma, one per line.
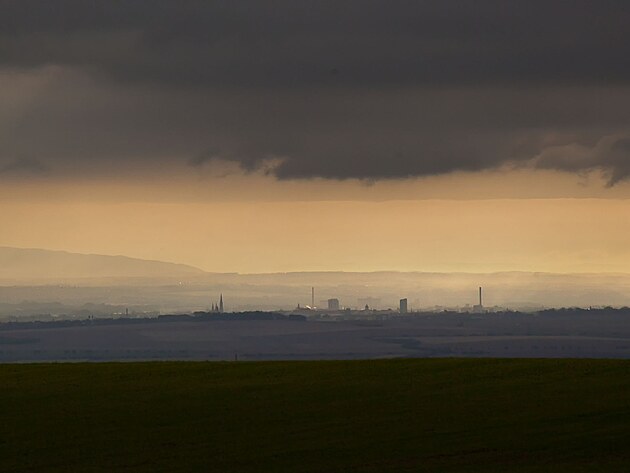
(338,90)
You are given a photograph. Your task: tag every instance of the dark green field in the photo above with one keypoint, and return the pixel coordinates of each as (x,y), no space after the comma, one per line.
(364,416)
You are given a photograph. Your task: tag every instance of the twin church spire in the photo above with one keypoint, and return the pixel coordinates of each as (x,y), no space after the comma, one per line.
(218,307)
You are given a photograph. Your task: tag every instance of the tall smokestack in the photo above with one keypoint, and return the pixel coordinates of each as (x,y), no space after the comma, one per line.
(312,297)
(480,304)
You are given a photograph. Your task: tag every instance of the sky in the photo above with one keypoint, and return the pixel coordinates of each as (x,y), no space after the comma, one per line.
(347,135)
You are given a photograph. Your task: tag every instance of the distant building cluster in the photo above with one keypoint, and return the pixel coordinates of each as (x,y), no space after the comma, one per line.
(366,305)
(373,305)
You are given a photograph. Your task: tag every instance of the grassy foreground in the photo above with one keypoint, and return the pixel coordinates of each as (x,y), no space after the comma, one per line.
(360,416)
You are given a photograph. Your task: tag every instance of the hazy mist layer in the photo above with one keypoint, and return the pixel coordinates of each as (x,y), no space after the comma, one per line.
(90,284)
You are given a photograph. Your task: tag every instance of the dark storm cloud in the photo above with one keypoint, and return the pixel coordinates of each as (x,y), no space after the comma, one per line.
(358,89)
(611,153)
(289,43)
(23,166)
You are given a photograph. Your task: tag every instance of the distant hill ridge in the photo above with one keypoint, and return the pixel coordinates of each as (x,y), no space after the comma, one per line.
(17,263)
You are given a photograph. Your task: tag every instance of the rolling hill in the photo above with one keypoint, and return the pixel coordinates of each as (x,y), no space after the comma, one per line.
(38,264)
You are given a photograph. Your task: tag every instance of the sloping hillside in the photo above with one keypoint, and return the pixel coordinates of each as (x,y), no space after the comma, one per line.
(26,263)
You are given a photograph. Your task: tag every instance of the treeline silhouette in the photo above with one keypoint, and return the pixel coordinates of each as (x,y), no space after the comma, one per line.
(264,315)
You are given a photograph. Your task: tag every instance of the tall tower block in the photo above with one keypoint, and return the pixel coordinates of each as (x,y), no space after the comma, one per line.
(402,308)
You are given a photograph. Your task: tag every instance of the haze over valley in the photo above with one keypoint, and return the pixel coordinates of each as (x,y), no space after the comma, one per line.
(40,282)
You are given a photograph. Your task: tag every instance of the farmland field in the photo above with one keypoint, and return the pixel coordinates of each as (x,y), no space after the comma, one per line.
(434,415)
